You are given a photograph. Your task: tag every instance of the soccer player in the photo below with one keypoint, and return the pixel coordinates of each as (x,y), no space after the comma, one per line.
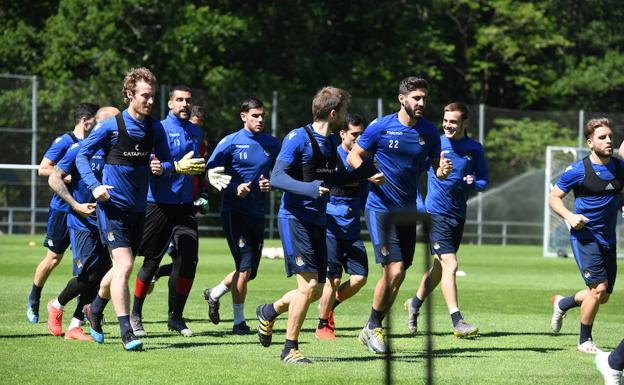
(128,140)
(170,215)
(247,156)
(57,235)
(446,204)
(345,249)
(400,142)
(610,365)
(91,259)
(597,182)
(304,170)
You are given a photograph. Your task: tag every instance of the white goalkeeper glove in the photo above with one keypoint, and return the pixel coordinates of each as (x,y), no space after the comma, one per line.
(190,166)
(218,179)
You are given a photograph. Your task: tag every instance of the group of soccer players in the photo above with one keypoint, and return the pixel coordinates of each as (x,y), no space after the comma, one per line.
(128,188)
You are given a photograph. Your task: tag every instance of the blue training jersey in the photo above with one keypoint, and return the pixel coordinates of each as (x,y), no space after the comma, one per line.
(245,156)
(304,205)
(129,183)
(399,152)
(183,136)
(55,153)
(79,189)
(602,211)
(343,213)
(448,196)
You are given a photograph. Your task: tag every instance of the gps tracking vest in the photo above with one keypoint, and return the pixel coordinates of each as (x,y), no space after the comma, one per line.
(594,186)
(130,152)
(321,167)
(349,191)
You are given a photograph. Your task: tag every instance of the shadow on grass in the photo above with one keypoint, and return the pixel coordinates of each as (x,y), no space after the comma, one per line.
(33,335)
(194,344)
(483,335)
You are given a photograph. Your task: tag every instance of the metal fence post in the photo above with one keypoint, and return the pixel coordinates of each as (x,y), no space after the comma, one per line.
(163,101)
(580,128)
(379,107)
(480,194)
(33,157)
(272,195)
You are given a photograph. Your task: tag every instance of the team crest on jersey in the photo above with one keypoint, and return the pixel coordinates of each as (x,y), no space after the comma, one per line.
(421,141)
(436,245)
(50,243)
(384,251)
(291,135)
(299,260)
(79,263)
(58,139)
(468,156)
(242,242)
(74,145)
(586,274)
(267,153)
(110,236)
(568,168)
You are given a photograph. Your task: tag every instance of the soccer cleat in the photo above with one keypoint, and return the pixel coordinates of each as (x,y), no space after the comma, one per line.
(325,333)
(330,321)
(176,323)
(242,329)
(55,320)
(464,329)
(265,328)
(611,376)
(95,326)
(412,316)
(77,334)
(137,326)
(588,347)
(213,307)
(294,356)
(32,312)
(373,339)
(558,315)
(86,310)
(130,342)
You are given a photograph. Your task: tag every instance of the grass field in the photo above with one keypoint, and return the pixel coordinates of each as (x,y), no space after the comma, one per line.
(506,292)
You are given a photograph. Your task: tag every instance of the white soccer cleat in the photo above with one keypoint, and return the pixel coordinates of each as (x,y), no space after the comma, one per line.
(588,347)
(558,315)
(611,376)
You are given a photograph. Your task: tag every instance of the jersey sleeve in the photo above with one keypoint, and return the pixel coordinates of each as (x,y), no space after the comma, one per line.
(572,176)
(219,156)
(161,147)
(99,138)
(292,147)
(481,171)
(370,137)
(67,163)
(57,149)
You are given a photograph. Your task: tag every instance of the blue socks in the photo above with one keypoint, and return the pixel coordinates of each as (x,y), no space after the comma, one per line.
(567,303)
(374,321)
(586,332)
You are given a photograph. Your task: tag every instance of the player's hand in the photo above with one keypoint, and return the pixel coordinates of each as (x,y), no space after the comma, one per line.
(323,190)
(218,179)
(84,209)
(378,179)
(155,165)
(469,179)
(202,203)
(578,221)
(243,189)
(101,192)
(189,165)
(67,179)
(445,167)
(265,184)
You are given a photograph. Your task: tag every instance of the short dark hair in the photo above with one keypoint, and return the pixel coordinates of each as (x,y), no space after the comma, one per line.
(85,110)
(197,111)
(412,83)
(327,99)
(591,126)
(250,103)
(461,107)
(179,87)
(354,120)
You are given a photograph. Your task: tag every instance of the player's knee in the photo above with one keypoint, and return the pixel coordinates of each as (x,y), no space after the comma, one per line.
(53,259)
(600,293)
(605,298)
(244,275)
(358,281)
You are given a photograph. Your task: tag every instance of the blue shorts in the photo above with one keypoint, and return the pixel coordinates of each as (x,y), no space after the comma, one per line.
(305,250)
(245,236)
(396,245)
(57,234)
(349,254)
(445,234)
(596,262)
(120,228)
(89,252)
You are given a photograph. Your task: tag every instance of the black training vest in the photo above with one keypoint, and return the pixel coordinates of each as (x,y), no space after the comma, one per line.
(594,186)
(130,152)
(349,191)
(321,167)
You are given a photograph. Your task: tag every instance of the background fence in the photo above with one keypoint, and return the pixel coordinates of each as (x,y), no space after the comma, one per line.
(510,211)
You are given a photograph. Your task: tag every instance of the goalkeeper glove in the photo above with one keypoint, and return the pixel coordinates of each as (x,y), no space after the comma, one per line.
(190,166)
(218,179)
(202,203)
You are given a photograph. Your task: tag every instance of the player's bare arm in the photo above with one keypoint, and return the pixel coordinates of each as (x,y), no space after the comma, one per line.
(56,182)
(555,201)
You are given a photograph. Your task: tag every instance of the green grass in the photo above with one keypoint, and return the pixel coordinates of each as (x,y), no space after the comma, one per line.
(506,292)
